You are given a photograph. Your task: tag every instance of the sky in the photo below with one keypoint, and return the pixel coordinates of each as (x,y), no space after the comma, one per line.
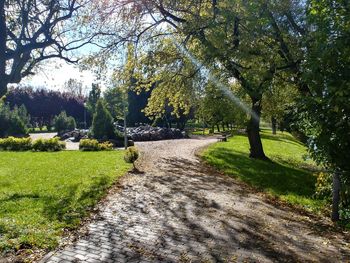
(53,74)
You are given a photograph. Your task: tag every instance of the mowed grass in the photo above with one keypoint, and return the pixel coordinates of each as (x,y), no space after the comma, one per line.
(41,194)
(288,175)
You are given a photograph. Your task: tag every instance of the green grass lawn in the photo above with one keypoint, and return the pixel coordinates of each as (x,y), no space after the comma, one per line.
(41,194)
(289,176)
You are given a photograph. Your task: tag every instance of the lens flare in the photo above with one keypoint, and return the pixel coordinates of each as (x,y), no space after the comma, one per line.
(207,73)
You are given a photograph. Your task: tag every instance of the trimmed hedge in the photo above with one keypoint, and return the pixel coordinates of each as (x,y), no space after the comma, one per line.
(15,144)
(94,145)
(48,145)
(26,144)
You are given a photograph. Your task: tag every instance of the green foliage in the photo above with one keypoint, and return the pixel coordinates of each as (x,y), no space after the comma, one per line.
(279,97)
(216,108)
(102,124)
(24,116)
(94,145)
(64,123)
(48,145)
(327,111)
(324,115)
(131,155)
(88,145)
(324,186)
(94,97)
(287,176)
(106,146)
(44,193)
(15,144)
(13,122)
(116,101)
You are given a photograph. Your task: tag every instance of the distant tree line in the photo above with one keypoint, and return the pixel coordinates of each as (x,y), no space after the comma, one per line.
(43,105)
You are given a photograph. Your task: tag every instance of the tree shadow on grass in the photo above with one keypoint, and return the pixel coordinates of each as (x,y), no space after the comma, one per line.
(276,177)
(286,138)
(75,204)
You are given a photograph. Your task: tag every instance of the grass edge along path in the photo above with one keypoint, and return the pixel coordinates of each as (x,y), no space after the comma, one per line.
(42,194)
(289,176)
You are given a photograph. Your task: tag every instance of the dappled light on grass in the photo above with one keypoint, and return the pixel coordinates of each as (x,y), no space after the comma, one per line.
(287,175)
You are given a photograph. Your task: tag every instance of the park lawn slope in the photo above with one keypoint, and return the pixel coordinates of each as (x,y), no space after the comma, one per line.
(41,194)
(289,176)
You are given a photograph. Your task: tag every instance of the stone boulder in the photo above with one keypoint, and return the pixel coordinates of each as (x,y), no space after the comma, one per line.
(149,133)
(74,136)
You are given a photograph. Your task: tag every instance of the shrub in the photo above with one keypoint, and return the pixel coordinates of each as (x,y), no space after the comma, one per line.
(15,144)
(102,123)
(131,155)
(63,123)
(13,122)
(324,186)
(88,145)
(94,145)
(106,146)
(48,145)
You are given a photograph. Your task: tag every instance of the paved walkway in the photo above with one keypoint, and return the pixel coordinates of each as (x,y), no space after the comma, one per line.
(179,211)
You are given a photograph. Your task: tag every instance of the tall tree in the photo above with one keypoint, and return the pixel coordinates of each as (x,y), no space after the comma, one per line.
(74,86)
(327,109)
(94,96)
(34,31)
(248,41)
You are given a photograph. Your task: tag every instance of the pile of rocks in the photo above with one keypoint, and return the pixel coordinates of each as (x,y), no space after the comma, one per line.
(149,133)
(74,136)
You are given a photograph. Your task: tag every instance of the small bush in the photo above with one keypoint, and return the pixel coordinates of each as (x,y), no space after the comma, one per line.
(131,155)
(64,123)
(106,146)
(324,186)
(94,145)
(48,145)
(15,144)
(88,145)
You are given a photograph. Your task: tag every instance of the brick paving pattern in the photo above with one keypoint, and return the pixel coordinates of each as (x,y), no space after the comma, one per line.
(180,211)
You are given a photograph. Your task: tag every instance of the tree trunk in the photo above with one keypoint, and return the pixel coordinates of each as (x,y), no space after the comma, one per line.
(253,130)
(218,126)
(274,125)
(336,196)
(3,36)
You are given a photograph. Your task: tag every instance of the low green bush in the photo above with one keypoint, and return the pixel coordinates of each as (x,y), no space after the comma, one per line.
(106,146)
(48,145)
(15,144)
(131,155)
(94,145)
(88,145)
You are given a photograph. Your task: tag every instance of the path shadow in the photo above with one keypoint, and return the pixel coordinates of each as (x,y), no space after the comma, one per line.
(190,213)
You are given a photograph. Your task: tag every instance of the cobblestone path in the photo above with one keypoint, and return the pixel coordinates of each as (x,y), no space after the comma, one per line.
(181,211)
